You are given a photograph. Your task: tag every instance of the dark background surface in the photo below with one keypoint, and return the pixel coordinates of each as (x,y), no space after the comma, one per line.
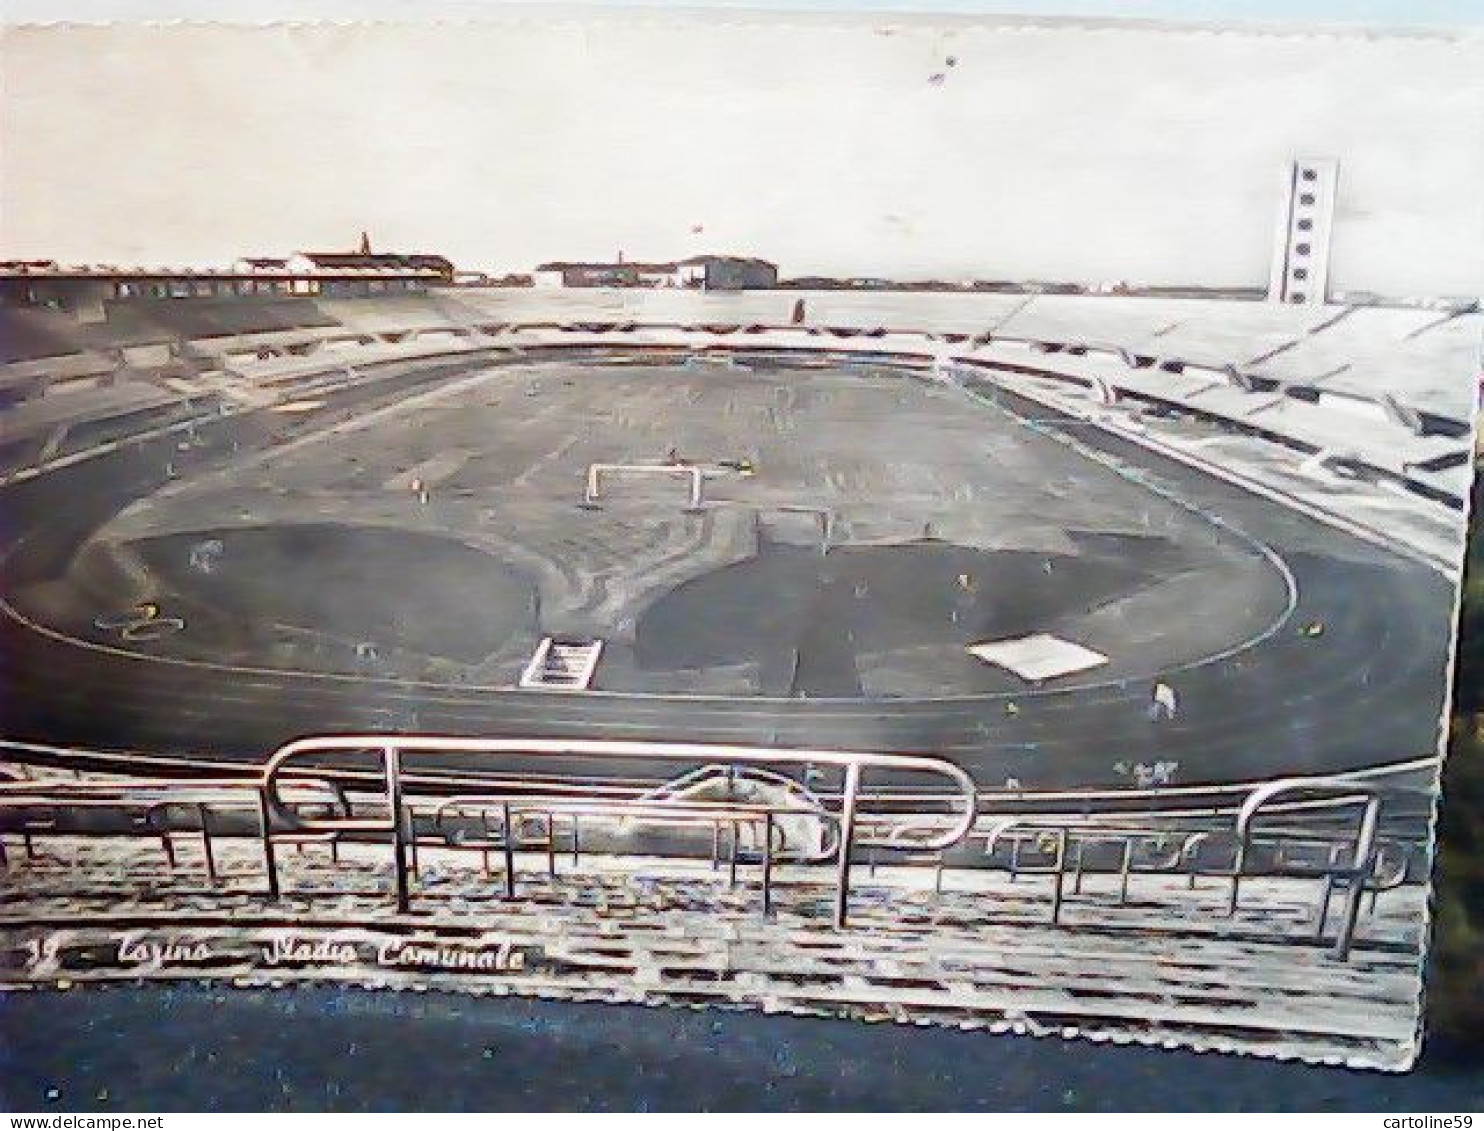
(202,1048)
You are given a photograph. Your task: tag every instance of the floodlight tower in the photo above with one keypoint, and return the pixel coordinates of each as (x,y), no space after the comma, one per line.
(1300,271)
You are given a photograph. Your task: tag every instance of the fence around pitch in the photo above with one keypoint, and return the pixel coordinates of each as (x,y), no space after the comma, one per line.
(296,804)
(395,750)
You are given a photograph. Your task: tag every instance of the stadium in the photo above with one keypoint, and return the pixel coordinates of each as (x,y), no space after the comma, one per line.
(857,614)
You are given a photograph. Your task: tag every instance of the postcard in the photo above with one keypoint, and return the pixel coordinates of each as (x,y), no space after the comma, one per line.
(937,520)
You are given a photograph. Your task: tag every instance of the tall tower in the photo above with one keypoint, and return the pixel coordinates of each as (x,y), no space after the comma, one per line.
(1300,272)
(365,243)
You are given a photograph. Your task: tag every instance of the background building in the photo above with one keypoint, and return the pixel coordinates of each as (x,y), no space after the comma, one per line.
(564,274)
(83,289)
(727,273)
(705,272)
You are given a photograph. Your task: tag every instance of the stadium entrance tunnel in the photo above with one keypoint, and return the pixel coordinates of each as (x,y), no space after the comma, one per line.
(895,620)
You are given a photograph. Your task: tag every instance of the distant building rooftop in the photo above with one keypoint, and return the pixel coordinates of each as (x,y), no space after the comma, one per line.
(575,265)
(696,260)
(353,260)
(636,265)
(51,270)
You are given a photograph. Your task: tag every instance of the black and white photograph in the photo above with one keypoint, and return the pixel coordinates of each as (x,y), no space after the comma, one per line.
(952,521)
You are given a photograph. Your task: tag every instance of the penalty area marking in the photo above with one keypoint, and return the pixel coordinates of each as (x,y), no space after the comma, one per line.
(404,406)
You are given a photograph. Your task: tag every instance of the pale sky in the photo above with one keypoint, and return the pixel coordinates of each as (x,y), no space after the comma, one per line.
(822,142)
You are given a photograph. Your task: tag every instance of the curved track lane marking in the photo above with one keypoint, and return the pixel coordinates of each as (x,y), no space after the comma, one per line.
(857,705)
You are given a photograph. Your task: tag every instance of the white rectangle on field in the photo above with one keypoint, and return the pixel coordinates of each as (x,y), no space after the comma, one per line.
(1038,656)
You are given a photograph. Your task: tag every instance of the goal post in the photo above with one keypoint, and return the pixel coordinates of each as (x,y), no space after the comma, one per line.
(599,473)
(823,519)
